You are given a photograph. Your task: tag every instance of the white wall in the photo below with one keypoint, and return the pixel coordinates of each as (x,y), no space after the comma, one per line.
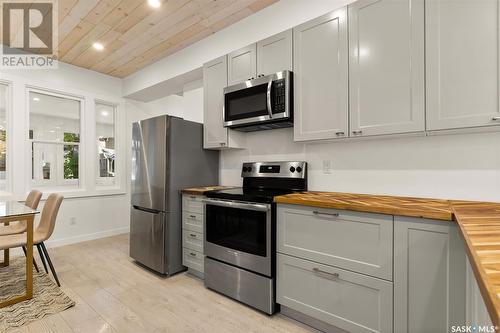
(72,77)
(464,166)
(188,106)
(86,213)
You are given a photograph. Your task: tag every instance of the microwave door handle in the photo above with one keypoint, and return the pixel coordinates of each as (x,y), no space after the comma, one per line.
(269,106)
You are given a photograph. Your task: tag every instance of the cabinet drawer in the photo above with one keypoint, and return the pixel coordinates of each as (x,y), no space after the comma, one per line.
(351,301)
(193,259)
(192,221)
(359,242)
(193,203)
(192,240)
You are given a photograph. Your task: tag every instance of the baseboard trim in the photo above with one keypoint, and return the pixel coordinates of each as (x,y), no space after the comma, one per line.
(86,237)
(310,321)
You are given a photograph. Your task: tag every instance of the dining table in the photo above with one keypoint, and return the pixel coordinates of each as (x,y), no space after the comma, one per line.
(12,211)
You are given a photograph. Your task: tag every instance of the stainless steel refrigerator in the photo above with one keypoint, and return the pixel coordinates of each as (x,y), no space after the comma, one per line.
(167,156)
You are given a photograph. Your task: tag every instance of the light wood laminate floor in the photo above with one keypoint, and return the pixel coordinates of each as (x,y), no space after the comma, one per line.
(114,294)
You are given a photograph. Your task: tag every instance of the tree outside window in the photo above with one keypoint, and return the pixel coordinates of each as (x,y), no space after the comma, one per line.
(55,139)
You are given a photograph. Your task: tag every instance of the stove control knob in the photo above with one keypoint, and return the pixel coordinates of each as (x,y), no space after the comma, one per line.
(299,169)
(292,169)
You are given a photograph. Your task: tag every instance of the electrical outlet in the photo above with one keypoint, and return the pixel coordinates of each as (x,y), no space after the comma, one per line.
(327,167)
(72,221)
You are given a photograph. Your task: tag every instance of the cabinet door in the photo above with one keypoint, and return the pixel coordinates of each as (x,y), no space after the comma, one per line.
(351,301)
(386,68)
(462,61)
(321,77)
(360,242)
(242,65)
(274,54)
(214,81)
(429,276)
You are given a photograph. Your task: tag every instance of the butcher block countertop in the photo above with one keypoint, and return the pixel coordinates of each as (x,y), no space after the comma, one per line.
(480,226)
(415,207)
(479,223)
(203,189)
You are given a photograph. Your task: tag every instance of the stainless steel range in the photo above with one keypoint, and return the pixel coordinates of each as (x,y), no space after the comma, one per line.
(240,232)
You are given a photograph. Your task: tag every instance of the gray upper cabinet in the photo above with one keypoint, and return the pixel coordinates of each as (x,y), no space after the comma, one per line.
(274,54)
(215,135)
(242,64)
(386,67)
(462,61)
(320,53)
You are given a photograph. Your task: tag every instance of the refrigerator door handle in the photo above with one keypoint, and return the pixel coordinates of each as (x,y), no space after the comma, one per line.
(148,210)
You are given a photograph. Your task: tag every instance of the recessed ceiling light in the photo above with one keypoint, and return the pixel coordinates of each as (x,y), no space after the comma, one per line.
(36,99)
(154,3)
(98,46)
(105,113)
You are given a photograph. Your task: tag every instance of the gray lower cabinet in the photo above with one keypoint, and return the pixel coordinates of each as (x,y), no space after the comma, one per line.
(351,301)
(361,242)
(429,276)
(364,272)
(193,212)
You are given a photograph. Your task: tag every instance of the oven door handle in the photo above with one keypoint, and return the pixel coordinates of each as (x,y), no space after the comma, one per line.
(241,205)
(268,94)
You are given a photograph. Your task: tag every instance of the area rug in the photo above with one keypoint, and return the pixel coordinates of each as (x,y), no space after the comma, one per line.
(47,299)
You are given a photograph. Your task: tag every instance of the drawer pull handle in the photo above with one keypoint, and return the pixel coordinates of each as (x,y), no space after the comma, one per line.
(327,275)
(327,214)
(192,254)
(193,197)
(192,235)
(192,216)
(495,118)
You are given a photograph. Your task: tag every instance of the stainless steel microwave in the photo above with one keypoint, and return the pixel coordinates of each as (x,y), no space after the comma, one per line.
(262,103)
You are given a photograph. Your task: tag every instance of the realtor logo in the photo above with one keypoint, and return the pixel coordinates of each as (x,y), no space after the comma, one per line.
(28,34)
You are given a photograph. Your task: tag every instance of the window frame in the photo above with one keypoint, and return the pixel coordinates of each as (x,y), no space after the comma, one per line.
(7,184)
(57,183)
(107,181)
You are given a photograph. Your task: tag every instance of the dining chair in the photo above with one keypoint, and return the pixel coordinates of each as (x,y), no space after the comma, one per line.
(32,201)
(42,233)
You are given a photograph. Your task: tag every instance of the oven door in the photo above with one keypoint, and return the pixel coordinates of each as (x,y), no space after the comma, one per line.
(260,100)
(239,233)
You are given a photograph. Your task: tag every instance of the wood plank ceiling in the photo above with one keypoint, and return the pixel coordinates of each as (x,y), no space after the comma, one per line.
(135,35)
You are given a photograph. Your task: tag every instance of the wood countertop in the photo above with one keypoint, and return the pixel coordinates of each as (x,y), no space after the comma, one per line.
(203,189)
(479,223)
(404,206)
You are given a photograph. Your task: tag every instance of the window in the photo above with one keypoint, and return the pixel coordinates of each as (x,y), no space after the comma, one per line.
(4,89)
(55,139)
(105,140)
